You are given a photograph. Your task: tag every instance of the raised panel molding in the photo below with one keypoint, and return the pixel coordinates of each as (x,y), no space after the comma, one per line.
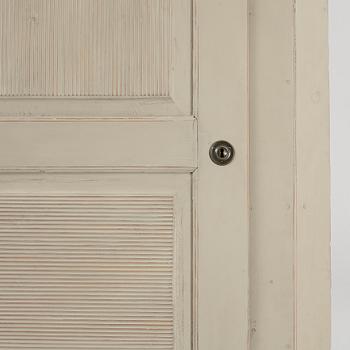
(70,48)
(93,57)
(95,261)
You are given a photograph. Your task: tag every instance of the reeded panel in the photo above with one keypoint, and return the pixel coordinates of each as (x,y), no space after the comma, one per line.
(87,272)
(67,48)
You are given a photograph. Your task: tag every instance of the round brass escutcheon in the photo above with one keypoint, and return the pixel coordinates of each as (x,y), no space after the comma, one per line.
(221,152)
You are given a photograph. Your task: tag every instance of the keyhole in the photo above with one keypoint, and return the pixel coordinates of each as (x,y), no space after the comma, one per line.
(221,152)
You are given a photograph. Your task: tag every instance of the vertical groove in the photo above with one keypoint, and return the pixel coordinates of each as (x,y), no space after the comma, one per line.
(84,48)
(295,186)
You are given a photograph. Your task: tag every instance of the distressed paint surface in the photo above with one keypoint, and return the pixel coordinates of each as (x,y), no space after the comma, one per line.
(92,271)
(272,119)
(223,237)
(313,282)
(72,48)
(103,144)
(146,134)
(289,179)
(95,261)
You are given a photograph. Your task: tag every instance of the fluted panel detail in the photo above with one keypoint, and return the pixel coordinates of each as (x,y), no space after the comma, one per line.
(68,48)
(86,272)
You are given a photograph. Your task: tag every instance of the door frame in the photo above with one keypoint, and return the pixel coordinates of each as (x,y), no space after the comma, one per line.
(289,175)
(287,294)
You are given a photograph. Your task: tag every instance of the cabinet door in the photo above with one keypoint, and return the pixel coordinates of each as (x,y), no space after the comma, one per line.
(117,230)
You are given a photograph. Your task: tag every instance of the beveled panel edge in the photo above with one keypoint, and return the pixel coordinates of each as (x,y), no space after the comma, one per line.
(94,118)
(88,107)
(178,102)
(98,170)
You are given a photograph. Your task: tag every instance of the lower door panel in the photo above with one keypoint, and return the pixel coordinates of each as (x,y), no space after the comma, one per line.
(95,261)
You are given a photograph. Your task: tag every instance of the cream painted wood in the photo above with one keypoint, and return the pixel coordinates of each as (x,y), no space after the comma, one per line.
(312,255)
(272,119)
(95,261)
(289,176)
(81,48)
(127,56)
(223,237)
(89,107)
(98,145)
(101,103)
(137,121)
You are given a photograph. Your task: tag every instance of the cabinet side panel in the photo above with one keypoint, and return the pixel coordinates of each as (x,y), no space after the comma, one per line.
(290,221)
(313,190)
(272,174)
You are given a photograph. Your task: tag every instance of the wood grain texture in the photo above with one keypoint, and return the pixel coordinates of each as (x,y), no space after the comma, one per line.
(67,48)
(87,272)
(223,237)
(289,179)
(272,118)
(313,222)
(98,145)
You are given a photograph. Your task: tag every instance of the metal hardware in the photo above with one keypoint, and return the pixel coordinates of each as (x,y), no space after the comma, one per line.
(221,152)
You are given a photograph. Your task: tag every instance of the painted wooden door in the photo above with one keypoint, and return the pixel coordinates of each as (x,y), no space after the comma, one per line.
(117,231)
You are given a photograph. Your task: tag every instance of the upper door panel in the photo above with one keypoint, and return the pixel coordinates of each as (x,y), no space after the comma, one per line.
(121,56)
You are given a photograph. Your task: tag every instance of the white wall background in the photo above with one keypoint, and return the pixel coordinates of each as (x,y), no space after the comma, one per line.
(339,17)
